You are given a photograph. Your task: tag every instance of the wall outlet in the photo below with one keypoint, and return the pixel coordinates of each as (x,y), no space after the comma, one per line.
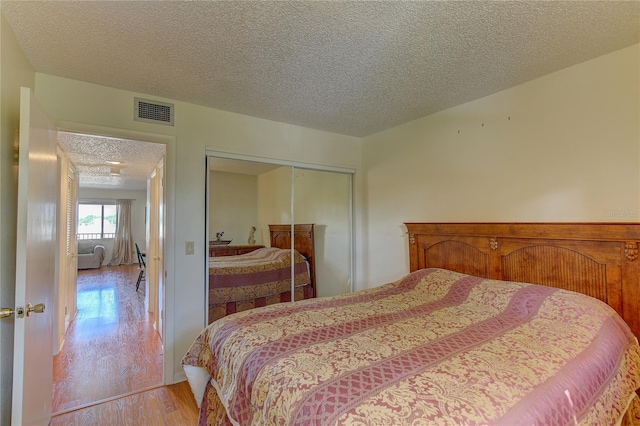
(189,247)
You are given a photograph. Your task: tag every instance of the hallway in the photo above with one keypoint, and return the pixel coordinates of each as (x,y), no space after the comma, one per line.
(111,349)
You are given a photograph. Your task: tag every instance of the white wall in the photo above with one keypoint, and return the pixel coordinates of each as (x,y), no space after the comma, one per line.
(564,147)
(15,71)
(137,213)
(197,129)
(274,200)
(233,206)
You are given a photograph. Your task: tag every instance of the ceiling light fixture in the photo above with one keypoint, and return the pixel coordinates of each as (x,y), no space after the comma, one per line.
(115,171)
(113,162)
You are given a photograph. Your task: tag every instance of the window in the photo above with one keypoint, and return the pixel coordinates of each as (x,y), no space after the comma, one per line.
(96,221)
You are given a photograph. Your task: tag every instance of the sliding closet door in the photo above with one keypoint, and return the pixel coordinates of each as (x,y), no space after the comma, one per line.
(244,198)
(324,198)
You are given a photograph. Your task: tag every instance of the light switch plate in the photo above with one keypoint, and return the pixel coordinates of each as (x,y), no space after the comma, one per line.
(189,247)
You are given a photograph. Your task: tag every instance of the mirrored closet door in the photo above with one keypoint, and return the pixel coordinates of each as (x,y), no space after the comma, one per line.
(244,198)
(250,211)
(323,198)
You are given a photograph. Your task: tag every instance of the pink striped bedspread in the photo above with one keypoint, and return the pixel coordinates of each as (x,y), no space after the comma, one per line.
(435,347)
(259,278)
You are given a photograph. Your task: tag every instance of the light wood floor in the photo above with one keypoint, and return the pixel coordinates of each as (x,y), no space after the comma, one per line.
(110,368)
(171,405)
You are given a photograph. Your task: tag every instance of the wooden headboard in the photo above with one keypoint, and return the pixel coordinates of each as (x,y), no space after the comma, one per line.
(304,243)
(598,259)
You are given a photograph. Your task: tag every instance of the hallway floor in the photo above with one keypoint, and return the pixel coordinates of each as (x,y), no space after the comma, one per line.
(111,348)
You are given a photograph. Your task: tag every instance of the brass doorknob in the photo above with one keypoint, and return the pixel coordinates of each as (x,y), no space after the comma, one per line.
(38,309)
(7,312)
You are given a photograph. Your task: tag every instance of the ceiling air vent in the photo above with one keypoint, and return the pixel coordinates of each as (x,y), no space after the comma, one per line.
(152,111)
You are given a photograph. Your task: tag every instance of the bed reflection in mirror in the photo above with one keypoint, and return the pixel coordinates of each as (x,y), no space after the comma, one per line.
(247,202)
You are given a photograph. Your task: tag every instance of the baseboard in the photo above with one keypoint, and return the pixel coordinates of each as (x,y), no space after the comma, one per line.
(179,377)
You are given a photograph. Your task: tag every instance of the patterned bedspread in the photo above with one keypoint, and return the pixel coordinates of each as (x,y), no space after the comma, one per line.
(259,278)
(436,347)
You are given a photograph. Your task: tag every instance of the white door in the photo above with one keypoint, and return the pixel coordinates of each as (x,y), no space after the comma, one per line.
(35,265)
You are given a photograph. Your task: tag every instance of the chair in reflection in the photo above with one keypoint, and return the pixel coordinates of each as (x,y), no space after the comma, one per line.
(142,267)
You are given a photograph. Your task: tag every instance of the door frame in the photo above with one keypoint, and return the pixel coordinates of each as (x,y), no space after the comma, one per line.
(66,275)
(168,324)
(155,247)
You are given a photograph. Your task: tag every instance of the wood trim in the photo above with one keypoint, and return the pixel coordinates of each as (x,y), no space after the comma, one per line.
(304,243)
(598,259)
(216,251)
(598,231)
(167,405)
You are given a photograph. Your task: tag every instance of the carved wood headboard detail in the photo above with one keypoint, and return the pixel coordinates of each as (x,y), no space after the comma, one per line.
(304,243)
(598,259)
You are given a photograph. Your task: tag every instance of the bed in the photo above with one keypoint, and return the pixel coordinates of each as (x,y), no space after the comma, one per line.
(263,277)
(462,339)
(597,259)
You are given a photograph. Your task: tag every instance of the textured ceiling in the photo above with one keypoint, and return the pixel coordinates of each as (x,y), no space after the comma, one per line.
(353,68)
(90,155)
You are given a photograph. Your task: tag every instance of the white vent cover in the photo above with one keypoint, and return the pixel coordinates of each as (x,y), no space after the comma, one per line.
(152,111)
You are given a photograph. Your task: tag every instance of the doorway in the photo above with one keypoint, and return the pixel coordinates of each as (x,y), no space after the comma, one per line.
(112,345)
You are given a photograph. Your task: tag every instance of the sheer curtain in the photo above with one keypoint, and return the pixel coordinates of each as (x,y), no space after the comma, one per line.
(123,249)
